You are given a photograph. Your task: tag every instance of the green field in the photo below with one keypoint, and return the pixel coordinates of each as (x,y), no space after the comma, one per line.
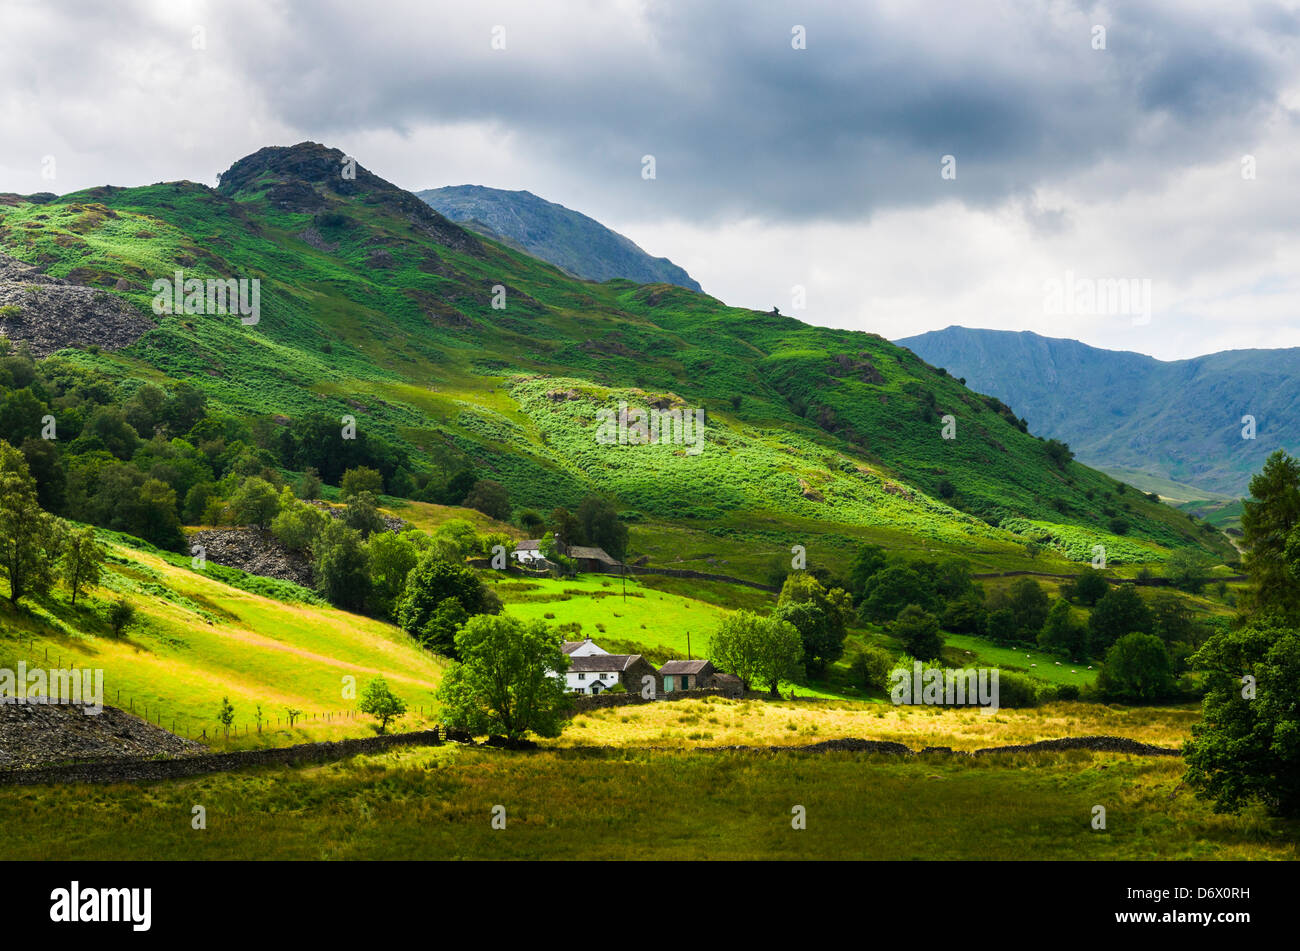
(437,804)
(655,620)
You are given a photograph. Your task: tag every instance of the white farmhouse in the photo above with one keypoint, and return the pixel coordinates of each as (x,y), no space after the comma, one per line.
(596,673)
(528,552)
(583,648)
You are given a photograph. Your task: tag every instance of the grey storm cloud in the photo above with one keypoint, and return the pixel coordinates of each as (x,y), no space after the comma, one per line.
(742,124)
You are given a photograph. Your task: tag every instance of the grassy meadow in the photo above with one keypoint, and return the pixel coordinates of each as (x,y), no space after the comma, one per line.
(436,803)
(717,721)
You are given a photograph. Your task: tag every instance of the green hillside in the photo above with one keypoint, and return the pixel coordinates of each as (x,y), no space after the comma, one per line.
(197,639)
(373,305)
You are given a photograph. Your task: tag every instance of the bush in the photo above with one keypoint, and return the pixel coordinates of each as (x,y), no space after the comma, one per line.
(1016,690)
(1067,692)
(1137,670)
(1088,588)
(870,668)
(490,498)
(361,479)
(919,632)
(120,615)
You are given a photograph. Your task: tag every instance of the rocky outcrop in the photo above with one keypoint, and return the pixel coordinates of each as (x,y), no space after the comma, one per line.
(306,177)
(391,522)
(50,313)
(253,550)
(39,734)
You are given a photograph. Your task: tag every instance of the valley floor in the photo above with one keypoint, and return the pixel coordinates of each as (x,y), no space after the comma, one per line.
(438,803)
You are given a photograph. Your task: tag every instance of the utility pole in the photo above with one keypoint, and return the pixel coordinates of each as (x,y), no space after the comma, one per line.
(688,645)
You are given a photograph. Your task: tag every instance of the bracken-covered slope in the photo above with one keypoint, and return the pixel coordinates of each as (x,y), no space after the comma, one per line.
(1177,420)
(375,305)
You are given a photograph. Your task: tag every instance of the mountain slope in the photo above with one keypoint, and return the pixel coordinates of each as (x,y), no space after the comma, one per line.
(375,306)
(1130,413)
(568,239)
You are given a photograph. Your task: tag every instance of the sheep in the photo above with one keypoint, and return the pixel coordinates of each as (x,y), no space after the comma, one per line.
(1058,663)
(1033,665)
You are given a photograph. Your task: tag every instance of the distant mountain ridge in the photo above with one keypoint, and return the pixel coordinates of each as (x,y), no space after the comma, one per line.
(568,239)
(1178,421)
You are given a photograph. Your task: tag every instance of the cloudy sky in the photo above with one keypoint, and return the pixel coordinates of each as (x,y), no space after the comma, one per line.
(1154,142)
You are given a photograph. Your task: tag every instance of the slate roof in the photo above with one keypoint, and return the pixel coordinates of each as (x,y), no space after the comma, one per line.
(599,663)
(596,554)
(684,667)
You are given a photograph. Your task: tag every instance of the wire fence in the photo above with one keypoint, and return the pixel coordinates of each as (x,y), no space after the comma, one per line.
(203,728)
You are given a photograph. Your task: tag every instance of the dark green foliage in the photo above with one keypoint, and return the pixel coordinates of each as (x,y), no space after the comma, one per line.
(1122,611)
(562,522)
(30,538)
(919,632)
(600,526)
(870,667)
(1088,588)
(1062,634)
(1137,670)
(490,498)
(363,515)
(893,588)
(1021,611)
(1247,746)
(1017,690)
(1270,525)
(340,566)
(531,522)
(432,582)
(503,683)
(317,441)
(820,617)
(120,615)
(966,615)
(868,560)
(1058,452)
(255,502)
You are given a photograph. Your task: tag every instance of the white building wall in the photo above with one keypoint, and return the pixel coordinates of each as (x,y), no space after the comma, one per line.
(583,680)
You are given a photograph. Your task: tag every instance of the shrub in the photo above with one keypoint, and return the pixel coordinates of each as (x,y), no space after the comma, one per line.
(120,615)
(870,667)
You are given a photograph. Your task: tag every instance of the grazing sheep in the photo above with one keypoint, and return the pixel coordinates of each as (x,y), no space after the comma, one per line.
(1033,665)
(1058,663)
(1071,671)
